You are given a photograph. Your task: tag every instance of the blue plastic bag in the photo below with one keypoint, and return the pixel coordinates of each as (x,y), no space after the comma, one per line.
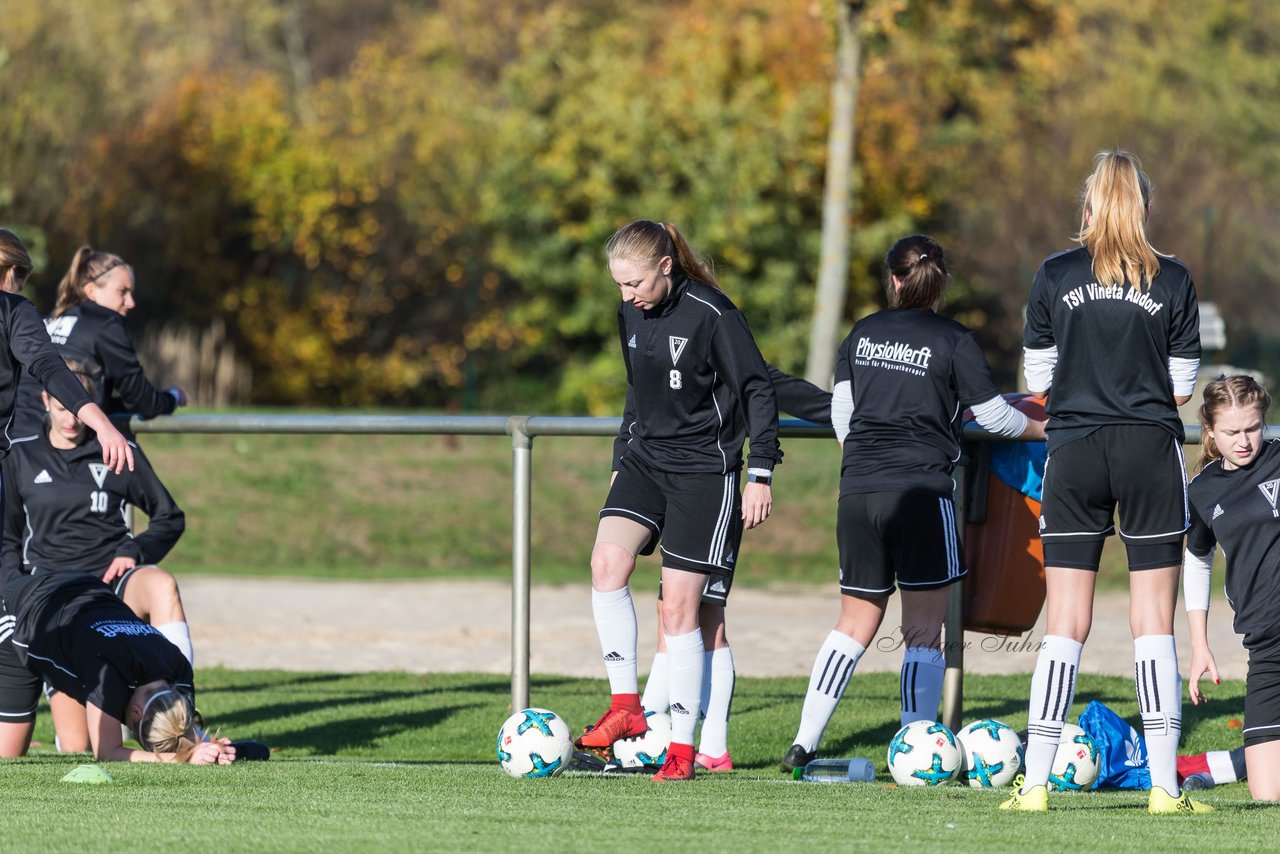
(1122,751)
(1020,465)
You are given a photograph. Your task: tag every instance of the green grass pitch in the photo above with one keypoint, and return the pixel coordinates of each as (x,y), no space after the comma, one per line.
(398,762)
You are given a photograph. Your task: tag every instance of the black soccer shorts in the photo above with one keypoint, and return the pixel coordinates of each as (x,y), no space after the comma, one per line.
(697,516)
(907,537)
(1137,467)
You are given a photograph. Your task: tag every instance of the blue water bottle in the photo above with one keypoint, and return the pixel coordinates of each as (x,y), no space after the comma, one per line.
(837,771)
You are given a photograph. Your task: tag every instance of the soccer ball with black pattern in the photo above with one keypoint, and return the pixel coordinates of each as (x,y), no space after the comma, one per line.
(992,754)
(534,743)
(924,753)
(1075,766)
(647,749)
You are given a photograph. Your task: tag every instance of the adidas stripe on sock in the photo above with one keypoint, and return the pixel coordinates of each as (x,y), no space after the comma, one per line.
(831,671)
(1159,688)
(1053,687)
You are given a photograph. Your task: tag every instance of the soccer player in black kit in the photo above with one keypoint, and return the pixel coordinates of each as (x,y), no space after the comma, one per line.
(64,512)
(70,631)
(1112,338)
(25,345)
(903,378)
(1234,503)
(87,324)
(696,387)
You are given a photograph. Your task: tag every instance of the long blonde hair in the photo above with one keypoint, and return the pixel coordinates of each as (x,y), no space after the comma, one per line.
(1113,221)
(168,724)
(647,242)
(1241,391)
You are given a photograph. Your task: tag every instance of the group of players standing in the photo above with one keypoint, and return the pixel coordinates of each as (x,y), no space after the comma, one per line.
(1111,342)
(85,610)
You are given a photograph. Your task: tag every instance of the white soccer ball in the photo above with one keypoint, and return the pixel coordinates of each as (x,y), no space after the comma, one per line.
(647,749)
(1075,766)
(924,753)
(534,743)
(992,754)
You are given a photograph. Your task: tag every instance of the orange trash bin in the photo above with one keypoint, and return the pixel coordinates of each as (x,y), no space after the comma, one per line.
(1004,590)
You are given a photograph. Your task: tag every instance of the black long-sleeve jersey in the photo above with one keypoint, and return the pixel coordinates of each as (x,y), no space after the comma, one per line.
(1113,344)
(97,336)
(800,398)
(911,373)
(1239,509)
(72,631)
(26,343)
(64,510)
(696,384)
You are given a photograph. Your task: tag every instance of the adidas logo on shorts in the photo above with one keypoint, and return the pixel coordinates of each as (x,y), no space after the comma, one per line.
(717,587)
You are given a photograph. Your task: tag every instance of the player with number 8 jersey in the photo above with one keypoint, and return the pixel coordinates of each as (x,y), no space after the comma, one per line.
(697,386)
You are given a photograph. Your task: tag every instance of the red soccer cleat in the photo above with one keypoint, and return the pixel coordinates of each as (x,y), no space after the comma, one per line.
(613,725)
(676,767)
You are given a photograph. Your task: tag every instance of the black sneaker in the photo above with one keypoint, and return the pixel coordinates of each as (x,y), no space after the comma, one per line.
(797,757)
(251,751)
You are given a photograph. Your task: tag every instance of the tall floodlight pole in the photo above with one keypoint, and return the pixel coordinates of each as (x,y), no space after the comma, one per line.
(828,304)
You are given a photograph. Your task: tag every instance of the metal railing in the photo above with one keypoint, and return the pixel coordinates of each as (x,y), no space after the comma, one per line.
(523,429)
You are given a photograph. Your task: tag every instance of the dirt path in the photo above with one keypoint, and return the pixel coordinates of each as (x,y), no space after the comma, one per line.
(438,626)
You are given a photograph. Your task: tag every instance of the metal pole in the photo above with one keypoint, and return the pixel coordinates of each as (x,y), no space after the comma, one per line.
(521,481)
(953,676)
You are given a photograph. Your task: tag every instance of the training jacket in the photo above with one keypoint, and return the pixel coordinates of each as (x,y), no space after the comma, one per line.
(696,385)
(97,337)
(64,510)
(1239,509)
(26,343)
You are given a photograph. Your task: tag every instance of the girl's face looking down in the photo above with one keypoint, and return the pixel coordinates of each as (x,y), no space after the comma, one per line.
(1238,435)
(642,285)
(66,431)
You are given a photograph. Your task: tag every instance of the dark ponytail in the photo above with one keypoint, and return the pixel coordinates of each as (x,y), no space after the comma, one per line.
(918,263)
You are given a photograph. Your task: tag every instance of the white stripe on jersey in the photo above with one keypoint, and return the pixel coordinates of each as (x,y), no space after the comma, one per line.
(704,302)
(31,654)
(724,461)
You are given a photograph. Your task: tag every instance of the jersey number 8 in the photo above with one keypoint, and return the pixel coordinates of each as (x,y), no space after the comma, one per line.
(676,381)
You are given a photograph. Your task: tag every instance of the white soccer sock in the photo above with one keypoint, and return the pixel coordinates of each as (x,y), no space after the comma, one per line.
(717,697)
(920,684)
(684,664)
(1222,765)
(616,625)
(179,634)
(657,694)
(831,671)
(1159,688)
(1053,687)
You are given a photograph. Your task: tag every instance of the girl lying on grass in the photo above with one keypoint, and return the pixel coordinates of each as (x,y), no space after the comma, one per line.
(71,631)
